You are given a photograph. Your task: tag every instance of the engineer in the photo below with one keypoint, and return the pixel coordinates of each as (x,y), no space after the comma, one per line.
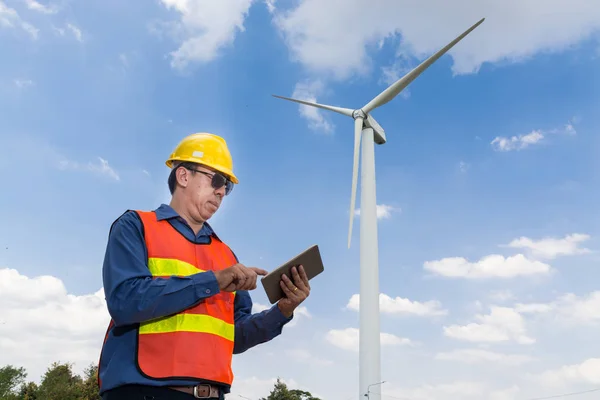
(177,295)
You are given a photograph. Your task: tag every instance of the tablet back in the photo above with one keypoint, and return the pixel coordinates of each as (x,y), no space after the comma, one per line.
(310,260)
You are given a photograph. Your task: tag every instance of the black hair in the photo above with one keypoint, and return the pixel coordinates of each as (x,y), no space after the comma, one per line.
(172,179)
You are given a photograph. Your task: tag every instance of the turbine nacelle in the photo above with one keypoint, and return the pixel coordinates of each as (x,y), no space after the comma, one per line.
(369,122)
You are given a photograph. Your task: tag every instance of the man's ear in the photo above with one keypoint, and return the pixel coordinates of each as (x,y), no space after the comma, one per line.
(182,176)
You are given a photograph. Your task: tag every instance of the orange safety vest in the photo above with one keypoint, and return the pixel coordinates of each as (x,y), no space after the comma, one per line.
(197,343)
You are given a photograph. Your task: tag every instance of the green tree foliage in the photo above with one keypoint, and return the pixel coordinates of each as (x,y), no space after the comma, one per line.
(281,392)
(11,378)
(60,383)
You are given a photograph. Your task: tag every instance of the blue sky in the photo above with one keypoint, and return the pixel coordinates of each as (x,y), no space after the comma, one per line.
(94,96)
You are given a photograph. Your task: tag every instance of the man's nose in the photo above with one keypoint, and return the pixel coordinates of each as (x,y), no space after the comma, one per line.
(221,191)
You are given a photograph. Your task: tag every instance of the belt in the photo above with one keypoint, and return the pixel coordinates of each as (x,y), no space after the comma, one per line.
(203,391)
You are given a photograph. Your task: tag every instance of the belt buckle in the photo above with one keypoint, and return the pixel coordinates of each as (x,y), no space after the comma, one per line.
(197,396)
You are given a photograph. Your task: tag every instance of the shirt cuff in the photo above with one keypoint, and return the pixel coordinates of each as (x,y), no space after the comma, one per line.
(275,316)
(206,284)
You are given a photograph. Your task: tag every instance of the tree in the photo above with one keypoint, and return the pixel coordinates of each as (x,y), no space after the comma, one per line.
(11,378)
(281,392)
(89,389)
(29,391)
(59,383)
(303,395)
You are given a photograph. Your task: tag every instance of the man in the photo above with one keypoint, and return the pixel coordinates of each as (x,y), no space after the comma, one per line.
(177,295)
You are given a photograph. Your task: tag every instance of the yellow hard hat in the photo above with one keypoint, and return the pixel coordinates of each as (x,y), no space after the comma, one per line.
(206,149)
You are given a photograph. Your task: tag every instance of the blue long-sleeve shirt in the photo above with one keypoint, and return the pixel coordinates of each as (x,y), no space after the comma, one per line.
(132,297)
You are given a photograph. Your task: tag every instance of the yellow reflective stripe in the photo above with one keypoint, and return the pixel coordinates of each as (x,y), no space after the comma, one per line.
(170,266)
(189,323)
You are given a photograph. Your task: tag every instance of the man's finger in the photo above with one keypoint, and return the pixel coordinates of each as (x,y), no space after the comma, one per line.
(304,277)
(230,287)
(286,289)
(247,285)
(259,271)
(250,282)
(298,280)
(292,289)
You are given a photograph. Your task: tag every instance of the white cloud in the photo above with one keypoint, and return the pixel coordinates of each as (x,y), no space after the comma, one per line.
(384,211)
(501,295)
(580,309)
(270,5)
(568,309)
(587,371)
(53,157)
(22,83)
(75,31)
(400,67)
(480,356)
(9,18)
(463,166)
(43,323)
(308,91)
(304,356)
(205,27)
(399,305)
(348,339)
(520,142)
(498,266)
(447,391)
(335,36)
(102,168)
(532,308)
(549,248)
(300,313)
(509,393)
(517,142)
(502,324)
(44,9)
(492,266)
(456,390)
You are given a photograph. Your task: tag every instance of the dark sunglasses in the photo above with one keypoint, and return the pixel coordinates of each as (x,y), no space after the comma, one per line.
(217,180)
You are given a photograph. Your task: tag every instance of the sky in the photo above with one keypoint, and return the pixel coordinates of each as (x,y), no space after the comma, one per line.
(487,187)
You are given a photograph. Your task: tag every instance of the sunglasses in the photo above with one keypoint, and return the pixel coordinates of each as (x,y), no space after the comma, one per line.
(217,180)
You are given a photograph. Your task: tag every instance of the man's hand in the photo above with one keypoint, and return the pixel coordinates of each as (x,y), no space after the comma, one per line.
(238,277)
(295,292)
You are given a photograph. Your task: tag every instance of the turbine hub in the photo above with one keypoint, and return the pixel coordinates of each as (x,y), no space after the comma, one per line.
(359,113)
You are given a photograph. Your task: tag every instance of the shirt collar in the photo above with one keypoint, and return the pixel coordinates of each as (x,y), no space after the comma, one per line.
(165,211)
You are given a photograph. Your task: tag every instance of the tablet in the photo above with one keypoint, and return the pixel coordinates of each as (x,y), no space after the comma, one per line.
(310,259)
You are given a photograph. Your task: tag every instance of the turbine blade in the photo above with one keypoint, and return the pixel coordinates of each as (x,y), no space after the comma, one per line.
(358,124)
(393,90)
(345,111)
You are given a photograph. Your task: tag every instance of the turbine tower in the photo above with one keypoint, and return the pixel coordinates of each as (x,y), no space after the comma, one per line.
(367,130)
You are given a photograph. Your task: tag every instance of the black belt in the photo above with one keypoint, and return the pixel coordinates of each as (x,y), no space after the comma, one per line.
(203,391)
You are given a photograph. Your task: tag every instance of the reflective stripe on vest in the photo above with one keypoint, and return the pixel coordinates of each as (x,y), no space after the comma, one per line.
(196,343)
(165,267)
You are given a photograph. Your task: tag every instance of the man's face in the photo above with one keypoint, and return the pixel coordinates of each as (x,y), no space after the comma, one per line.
(203,199)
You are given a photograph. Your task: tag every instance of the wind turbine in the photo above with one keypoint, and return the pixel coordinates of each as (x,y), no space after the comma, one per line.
(367,129)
